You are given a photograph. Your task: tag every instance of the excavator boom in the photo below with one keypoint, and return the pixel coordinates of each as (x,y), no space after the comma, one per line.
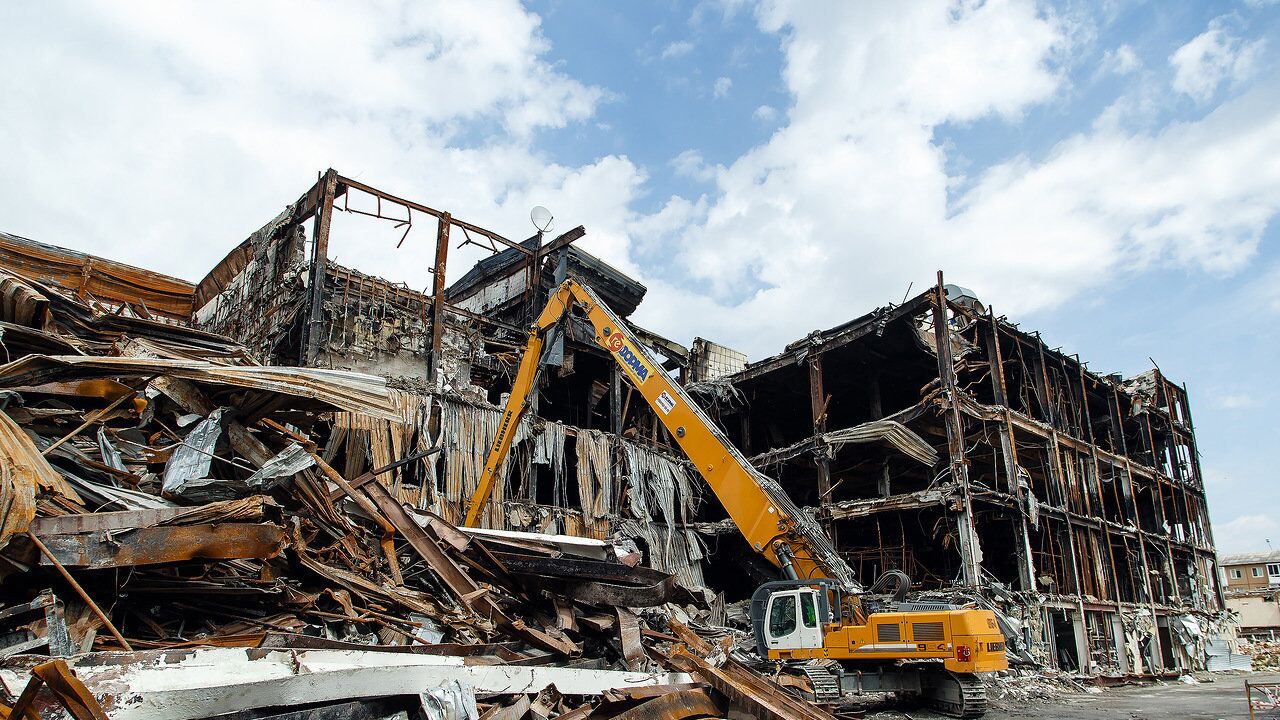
(766,516)
(931,649)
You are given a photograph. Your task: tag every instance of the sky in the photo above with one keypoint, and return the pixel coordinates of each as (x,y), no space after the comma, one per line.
(1105,172)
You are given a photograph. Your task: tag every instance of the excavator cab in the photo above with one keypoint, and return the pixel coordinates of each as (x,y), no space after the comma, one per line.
(792,620)
(792,615)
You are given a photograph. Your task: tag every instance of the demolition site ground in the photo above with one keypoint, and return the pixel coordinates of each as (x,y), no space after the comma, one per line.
(1210,698)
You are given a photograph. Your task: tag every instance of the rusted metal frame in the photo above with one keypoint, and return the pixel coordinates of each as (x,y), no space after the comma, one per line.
(1194,450)
(1056,477)
(406,222)
(686,703)
(1087,420)
(870,324)
(629,638)
(467,591)
(1009,449)
(437,297)
(22,709)
(430,211)
(319,261)
(818,403)
(175,543)
(67,688)
(1050,409)
(750,691)
(970,562)
(1130,496)
(1092,490)
(1163,512)
(533,281)
(561,241)
(376,500)
(93,606)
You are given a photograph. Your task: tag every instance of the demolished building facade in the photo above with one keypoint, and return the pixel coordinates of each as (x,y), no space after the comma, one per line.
(931,437)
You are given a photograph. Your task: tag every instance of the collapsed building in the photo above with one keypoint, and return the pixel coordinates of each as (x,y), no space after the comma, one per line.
(930,437)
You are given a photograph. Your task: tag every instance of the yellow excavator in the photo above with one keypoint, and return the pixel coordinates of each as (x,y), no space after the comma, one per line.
(856,639)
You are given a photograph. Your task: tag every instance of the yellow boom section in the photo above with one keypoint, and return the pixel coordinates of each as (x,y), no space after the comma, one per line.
(767,518)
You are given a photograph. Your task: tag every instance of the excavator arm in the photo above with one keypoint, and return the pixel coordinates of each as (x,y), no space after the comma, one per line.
(767,518)
(930,649)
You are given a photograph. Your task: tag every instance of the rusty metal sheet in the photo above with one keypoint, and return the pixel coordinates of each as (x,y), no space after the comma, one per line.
(629,638)
(592,581)
(23,472)
(351,391)
(20,303)
(106,280)
(748,690)
(674,706)
(156,545)
(463,587)
(250,509)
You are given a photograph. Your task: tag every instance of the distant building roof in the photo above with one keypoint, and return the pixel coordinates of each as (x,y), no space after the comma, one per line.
(1253,558)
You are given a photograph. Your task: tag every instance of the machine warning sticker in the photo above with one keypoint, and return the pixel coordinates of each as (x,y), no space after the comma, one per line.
(665,402)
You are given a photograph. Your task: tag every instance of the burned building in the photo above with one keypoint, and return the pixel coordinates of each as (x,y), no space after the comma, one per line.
(930,437)
(935,438)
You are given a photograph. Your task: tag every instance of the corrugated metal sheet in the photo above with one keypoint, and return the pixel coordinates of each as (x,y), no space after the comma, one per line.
(1220,657)
(105,280)
(351,391)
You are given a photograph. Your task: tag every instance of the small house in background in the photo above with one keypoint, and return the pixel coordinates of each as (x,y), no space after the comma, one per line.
(1252,584)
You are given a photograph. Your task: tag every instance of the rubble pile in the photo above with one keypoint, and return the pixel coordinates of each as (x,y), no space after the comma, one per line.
(1265,653)
(175,524)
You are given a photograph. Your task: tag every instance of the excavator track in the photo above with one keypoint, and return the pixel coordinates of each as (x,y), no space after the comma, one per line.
(955,694)
(822,676)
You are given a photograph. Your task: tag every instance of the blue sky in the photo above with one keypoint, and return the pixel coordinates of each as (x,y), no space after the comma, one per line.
(1105,172)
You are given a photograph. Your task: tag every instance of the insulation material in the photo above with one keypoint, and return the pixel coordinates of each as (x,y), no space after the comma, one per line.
(466,434)
(548,449)
(373,442)
(595,479)
(661,492)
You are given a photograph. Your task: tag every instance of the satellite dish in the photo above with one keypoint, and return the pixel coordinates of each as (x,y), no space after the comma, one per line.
(542,218)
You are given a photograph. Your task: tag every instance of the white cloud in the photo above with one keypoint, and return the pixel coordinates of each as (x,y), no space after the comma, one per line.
(1121,61)
(677,49)
(1212,57)
(691,165)
(1235,401)
(1246,533)
(163,133)
(722,86)
(765,113)
(851,199)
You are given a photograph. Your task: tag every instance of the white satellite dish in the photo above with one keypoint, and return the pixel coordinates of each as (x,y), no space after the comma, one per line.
(542,218)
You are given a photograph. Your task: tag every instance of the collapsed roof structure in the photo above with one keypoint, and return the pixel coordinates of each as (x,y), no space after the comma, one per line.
(931,437)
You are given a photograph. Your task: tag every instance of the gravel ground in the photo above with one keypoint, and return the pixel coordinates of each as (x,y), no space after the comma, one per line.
(1215,696)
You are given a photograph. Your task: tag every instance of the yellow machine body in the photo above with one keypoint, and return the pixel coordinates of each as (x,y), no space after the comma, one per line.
(966,640)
